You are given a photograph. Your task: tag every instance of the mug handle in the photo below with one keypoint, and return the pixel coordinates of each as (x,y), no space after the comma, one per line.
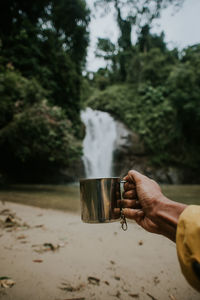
(123,218)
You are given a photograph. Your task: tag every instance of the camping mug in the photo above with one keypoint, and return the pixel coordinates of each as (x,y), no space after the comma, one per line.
(100,200)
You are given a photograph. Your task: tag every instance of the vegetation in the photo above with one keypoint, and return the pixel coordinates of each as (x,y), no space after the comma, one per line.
(42,53)
(155,92)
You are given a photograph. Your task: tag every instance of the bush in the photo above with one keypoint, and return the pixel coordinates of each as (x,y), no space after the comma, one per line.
(40,138)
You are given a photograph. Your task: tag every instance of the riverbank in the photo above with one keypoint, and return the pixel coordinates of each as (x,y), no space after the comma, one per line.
(53,255)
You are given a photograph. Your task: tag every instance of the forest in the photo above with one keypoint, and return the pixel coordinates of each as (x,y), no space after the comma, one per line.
(153,90)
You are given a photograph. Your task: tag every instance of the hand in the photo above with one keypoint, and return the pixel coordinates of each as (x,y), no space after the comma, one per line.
(145,203)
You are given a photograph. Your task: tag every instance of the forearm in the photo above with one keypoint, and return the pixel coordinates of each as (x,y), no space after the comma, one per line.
(167,213)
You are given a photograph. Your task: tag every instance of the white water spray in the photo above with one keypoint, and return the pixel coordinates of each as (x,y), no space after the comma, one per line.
(99,143)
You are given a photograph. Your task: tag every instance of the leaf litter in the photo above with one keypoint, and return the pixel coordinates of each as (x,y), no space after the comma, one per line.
(6,282)
(47,247)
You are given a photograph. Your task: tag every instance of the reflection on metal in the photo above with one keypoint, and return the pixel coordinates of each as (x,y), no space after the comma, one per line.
(100,200)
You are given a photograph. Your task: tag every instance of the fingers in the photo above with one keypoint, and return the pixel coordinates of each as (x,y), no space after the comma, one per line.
(134,176)
(127,203)
(131,194)
(129,186)
(134,214)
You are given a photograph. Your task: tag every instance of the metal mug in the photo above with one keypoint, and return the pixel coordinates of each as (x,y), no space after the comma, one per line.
(100,200)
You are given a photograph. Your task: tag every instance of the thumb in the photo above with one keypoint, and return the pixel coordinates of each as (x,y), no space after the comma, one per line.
(135,176)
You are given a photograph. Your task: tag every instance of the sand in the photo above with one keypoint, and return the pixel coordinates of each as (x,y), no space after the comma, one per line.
(92,262)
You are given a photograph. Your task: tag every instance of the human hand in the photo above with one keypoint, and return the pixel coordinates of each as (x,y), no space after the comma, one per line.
(145,203)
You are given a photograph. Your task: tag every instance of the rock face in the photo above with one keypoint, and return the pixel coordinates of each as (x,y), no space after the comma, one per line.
(130,154)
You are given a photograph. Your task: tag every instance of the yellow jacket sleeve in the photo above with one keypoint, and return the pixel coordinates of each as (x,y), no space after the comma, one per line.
(188,243)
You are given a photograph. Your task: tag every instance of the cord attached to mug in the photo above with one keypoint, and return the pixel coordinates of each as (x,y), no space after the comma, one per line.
(123,222)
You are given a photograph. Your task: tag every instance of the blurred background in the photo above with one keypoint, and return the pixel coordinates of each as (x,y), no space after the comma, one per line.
(95,88)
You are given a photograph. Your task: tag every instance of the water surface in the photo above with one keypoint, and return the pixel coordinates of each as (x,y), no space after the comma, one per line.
(66,197)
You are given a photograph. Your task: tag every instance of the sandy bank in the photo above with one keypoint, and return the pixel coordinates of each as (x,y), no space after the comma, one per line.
(92,262)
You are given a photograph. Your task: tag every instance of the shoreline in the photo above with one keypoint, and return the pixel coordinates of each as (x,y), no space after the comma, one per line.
(85,261)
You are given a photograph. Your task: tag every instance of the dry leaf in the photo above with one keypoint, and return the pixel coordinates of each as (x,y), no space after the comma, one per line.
(93,280)
(46,247)
(38,260)
(134,295)
(172,297)
(21,237)
(152,297)
(69,288)
(6,282)
(117,277)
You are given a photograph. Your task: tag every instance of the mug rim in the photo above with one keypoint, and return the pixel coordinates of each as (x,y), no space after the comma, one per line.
(98,178)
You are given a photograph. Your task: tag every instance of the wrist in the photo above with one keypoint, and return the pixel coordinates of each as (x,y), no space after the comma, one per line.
(168,211)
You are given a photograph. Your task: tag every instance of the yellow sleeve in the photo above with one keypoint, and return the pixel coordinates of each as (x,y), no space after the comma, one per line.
(188,243)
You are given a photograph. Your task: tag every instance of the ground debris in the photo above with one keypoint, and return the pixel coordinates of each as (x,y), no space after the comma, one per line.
(106,282)
(72,299)
(39,226)
(156,280)
(93,280)
(152,297)
(172,297)
(11,221)
(118,294)
(70,288)
(140,243)
(6,212)
(6,282)
(117,277)
(21,237)
(134,295)
(38,260)
(47,247)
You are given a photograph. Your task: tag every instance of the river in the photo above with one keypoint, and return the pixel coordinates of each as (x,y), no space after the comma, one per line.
(66,197)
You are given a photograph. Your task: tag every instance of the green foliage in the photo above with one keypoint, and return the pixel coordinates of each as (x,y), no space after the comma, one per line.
(146,112)
(42,53)
(160,101)
(39,138)
(16,93)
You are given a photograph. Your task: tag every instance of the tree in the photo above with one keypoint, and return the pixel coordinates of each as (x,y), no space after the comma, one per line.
(42,53)
(134,13)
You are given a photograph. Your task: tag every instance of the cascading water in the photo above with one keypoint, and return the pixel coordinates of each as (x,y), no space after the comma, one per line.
(99,143)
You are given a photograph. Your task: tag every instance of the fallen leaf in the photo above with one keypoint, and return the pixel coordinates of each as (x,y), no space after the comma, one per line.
(5,212)
(38,260)
(106,282)
(69,288)
(118,294)
(112,262)
(134,295)
(117,277)
(140,243)
(6,282)
(172,297)
(39,226)
(74,299)
(93,280)
(46,247)
(152,297)
(21,237)
(53,247)
(156,280)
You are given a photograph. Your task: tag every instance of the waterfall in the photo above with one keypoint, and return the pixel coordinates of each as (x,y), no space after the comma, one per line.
(99,143)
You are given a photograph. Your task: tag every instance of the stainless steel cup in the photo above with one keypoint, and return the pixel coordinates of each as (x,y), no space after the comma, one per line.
(99,199)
